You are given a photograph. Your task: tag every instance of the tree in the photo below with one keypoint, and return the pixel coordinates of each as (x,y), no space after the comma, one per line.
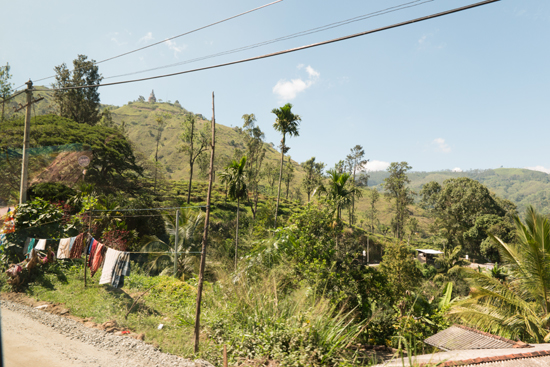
(398,265)
(372,211)
(396,189)
(255,152)
(162,120)
(164,254)
(288,176)
(287,124)
(194,143)
(81,105)
(113,166)
(6,87)
(338,192)
(519,307)
(107,118)
(141,99)
(413,228)
(234,176)
(313,177)
(356,161)
(270,173)
(457,205)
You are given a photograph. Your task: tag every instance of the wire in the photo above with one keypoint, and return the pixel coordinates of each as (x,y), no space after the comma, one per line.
(181,35)
(14,95)
(301,48)
(130,210)
(284,38)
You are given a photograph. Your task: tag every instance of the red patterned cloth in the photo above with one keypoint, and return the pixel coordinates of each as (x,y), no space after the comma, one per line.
(78,247)
(93,246)
(98,255)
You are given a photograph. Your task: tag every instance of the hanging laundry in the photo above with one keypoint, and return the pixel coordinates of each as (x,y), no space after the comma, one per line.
(111,258)
(98,256)
(89,245)
(122,269)
(41,245)
(91,253)
(78,246)
(71,245)
(29,245)
(63,252)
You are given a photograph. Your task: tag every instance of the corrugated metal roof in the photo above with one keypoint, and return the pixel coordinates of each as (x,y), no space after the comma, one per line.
(428,251)
(458,337)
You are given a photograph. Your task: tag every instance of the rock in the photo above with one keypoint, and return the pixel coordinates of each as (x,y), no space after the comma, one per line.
(90,324)
(138,336)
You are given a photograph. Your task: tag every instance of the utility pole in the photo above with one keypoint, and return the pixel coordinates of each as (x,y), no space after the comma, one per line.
(176,239)
(25,163)
(205,234)
(25,166)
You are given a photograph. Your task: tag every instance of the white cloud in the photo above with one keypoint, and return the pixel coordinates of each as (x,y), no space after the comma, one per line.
(288,90)
(539,168)
(457,169)
(441,146)
(147,37)
(311,72)
(425,42)
(174,47)
(375,165)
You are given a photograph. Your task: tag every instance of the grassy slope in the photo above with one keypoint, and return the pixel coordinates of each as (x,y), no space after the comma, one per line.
(140,119)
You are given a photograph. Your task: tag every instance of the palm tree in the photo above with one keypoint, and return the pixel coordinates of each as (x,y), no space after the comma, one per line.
(286,123)
(164,254)
(518,307)
(234,176)
(337,191)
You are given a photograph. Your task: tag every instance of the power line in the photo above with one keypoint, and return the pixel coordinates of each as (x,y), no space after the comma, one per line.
(284,38)
(334,40)
(180,35)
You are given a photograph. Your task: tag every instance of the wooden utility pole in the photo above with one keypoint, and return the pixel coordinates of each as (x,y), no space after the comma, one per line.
(205,233)
(176,239)
(25,165)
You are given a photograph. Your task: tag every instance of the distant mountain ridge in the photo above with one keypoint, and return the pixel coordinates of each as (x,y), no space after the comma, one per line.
(519,185)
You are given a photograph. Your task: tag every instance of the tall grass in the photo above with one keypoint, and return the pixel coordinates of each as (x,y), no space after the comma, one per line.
(270,320)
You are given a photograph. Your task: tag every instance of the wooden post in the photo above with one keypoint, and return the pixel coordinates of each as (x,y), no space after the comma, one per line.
(205,233)
(25,163)
(368,251)
(224,355)
(176,243)
(237,235)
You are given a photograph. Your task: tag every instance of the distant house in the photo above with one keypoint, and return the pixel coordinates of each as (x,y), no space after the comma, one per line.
(427,256)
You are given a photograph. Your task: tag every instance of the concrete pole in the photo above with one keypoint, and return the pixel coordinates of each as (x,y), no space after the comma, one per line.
(25,164)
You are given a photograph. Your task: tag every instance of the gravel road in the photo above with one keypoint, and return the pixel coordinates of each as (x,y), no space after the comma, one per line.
(34,337)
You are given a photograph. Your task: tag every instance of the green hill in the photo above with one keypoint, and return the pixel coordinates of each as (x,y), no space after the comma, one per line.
(139,118)
(521,186)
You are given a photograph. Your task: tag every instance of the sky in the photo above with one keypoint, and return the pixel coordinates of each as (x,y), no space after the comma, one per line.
(465,91)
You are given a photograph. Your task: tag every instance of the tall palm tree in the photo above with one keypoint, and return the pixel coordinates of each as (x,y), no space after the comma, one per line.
(337,191)
(518,307)
(234,176)
(286,123)
(164,254)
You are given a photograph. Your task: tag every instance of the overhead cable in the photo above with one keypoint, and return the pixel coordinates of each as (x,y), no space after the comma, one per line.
(334,40)
(284,38)
(180,35)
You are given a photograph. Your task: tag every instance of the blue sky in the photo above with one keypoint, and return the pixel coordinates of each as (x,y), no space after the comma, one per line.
(469,90)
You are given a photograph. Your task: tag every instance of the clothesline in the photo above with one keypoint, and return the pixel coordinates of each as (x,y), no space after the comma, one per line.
(132,210)
(130,252)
